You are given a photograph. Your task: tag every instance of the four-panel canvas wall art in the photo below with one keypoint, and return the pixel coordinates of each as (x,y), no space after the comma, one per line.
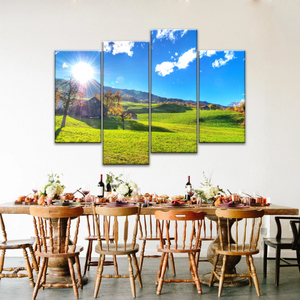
(172,68)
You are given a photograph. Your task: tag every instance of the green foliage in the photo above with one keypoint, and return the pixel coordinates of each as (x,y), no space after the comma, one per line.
(221,126)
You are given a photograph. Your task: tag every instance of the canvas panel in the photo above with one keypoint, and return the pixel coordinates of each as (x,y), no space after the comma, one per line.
(77,97)
(173,91)
(222,96)
(126,103)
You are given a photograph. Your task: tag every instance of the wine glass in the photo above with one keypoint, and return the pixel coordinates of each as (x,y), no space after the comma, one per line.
(191,193)
(85,188)
(34,187)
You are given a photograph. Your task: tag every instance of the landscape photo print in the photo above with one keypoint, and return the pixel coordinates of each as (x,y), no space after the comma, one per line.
(173,91)
(77,97)
(222,96)
(125,103)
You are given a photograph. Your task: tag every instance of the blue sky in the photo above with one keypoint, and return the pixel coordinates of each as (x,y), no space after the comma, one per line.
(126,65)
(174,64)
(67,61)
(222,76)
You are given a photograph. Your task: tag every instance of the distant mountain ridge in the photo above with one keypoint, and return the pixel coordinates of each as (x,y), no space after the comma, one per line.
(132,95)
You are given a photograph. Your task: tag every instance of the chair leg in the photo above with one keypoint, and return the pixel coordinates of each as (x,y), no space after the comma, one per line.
(28,267)
(72,273)
(213,270)
(38,281)
(2,261)
(131,277)
(172,263)
(254,276)
(45,272)
(79,282)
(222,276)
(162,274)
(34,261)
(137,270)
(277,266)
(265,259)
(99,275)
(298,258)
(115,264)
(87,257)
(160,268)
(141,259)
(194,273)
(248,270)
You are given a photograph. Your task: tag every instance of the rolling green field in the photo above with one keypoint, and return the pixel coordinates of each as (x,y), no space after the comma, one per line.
(173,130)
(221,126)
(77,130)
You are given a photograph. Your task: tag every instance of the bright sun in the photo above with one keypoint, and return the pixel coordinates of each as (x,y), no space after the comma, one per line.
(82,72)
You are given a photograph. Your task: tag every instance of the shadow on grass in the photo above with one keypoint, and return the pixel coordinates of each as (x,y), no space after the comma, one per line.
(57,132)
(94,123)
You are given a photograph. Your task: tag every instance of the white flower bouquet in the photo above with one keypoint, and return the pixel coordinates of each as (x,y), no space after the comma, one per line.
(53,187)
(207,191)
(121,187)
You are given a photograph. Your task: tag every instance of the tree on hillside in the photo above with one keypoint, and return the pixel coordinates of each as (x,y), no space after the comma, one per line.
(68,93)
(112,105)
(213,106)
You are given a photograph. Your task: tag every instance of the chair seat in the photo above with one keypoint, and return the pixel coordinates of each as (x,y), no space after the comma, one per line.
(284,243)
(178,250)
(120,250)
(240,251)
(94,238)
(16,244)
(70,253)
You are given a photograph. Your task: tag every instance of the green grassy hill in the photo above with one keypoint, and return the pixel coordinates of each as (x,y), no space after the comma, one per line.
(221,126)
(77,130)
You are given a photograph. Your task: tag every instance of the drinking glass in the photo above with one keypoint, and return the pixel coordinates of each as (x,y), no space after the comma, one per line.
(85,188)
(191,193)
(34,187)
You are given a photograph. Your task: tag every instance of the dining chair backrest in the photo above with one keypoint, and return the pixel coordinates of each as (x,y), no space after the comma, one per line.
(248,230)
(43,221)
(183,226)
(295,225)
(148,226)
(119,218)
(2,226)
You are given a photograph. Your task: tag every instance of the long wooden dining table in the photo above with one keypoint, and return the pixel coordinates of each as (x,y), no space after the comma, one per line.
(12,208)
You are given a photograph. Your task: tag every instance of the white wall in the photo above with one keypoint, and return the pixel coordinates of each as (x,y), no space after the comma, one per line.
(268,30)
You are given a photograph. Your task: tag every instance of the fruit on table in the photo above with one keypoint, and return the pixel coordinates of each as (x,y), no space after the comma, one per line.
(41,200)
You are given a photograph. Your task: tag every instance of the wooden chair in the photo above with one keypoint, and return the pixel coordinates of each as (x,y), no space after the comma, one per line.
(209,232)
(120,244)
(149,233)
(247,245)
(13,272)
(280,243)
(92,237)
(58,221)
(186,231)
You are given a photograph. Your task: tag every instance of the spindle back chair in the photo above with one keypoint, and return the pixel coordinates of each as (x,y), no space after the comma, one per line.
(185,227)
(125,223)
(245,243)
(91,238)
(58,224)
(14,272)
(149,233)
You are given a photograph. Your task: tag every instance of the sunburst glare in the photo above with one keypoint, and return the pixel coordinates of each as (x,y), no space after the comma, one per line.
(83,72)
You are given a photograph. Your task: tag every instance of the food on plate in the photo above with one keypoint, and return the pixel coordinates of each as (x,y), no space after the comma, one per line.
(28,199)
(41,200)
(164,196)
(112,198)
(78,200)
(67,196)
(218,201)
(21,199)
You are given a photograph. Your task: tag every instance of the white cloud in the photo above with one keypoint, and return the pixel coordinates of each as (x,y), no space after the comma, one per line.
(186,58)
(169,34)
(65,65)
(167,67)
(176,54)
(172,57)
(208,53)
(229,55)
(119,47)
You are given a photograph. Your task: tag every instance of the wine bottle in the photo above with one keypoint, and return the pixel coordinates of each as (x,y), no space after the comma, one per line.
(108,187)
(188,188)
(100,188)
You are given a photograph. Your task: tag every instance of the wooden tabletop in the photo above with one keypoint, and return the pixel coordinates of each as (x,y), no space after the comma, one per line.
(12,208)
